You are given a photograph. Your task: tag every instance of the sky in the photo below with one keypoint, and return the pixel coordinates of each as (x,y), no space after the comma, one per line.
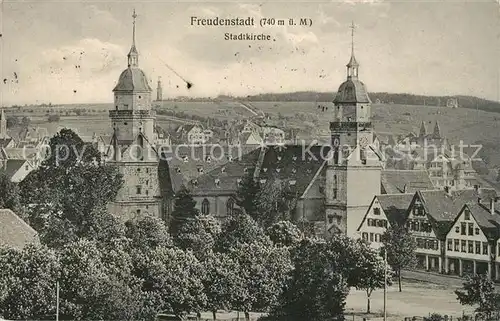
(74,51)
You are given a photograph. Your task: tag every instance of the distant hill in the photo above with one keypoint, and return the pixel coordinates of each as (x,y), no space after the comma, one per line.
(383,97)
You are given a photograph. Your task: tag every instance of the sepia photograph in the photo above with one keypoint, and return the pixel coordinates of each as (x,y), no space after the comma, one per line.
(239,160)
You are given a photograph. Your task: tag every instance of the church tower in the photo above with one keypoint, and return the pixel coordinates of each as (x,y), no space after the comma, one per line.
(132,114)
(159,91)
(354,168)
(132,144)
(3,124)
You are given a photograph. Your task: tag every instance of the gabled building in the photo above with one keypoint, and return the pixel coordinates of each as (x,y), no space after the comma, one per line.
(430,217)
(16,169)
(472,239)
(384,211)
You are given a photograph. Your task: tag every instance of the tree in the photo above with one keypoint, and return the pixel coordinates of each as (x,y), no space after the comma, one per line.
(316,289)
(480,290)
(67,196)
(400,247)
(12,121)
(240,229)
(273,203)
(25,121)
(370,271)
(97,283)
(246,195)
(263,271)
(184,209)
(9,194)
(173,280)
(222,281)
(199,234)
(147,233)
(284,233)
(34,268)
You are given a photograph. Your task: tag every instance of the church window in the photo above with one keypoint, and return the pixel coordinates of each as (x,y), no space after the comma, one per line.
(205,207)
(230,206)
(138,189)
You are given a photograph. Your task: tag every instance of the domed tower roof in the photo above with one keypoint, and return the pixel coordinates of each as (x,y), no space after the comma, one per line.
(352,90)
(133,78)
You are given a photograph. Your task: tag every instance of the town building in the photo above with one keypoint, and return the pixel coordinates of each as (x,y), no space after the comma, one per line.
(384,211)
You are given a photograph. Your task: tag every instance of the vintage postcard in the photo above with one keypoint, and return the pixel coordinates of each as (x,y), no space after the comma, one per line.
(232,160)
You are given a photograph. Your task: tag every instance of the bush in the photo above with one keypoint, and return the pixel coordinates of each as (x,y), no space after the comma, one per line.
(54,118)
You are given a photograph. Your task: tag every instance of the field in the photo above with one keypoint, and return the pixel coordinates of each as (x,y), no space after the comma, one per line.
(467,125)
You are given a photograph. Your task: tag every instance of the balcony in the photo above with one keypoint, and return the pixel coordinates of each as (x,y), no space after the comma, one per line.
(131,113)
(350,125)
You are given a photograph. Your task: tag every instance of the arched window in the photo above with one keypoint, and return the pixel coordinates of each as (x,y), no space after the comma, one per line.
(205,207)
(230,206)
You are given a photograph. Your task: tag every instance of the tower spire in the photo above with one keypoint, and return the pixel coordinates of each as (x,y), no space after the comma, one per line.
(352,65)
(133,55)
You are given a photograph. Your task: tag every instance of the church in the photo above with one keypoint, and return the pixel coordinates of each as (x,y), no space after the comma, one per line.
(333,184)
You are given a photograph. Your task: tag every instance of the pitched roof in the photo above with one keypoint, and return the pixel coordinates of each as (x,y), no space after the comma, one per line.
(225,177)
(285,163)
(5,141)
(14,232)
(394,181)
(445,207)
(185,161)
(290,163)
(13,166)
(485,219)
(395,206)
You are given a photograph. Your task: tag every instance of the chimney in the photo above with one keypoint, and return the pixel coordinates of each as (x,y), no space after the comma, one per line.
(493,200)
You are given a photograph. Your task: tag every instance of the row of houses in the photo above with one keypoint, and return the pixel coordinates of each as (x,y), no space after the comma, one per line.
(456,231)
